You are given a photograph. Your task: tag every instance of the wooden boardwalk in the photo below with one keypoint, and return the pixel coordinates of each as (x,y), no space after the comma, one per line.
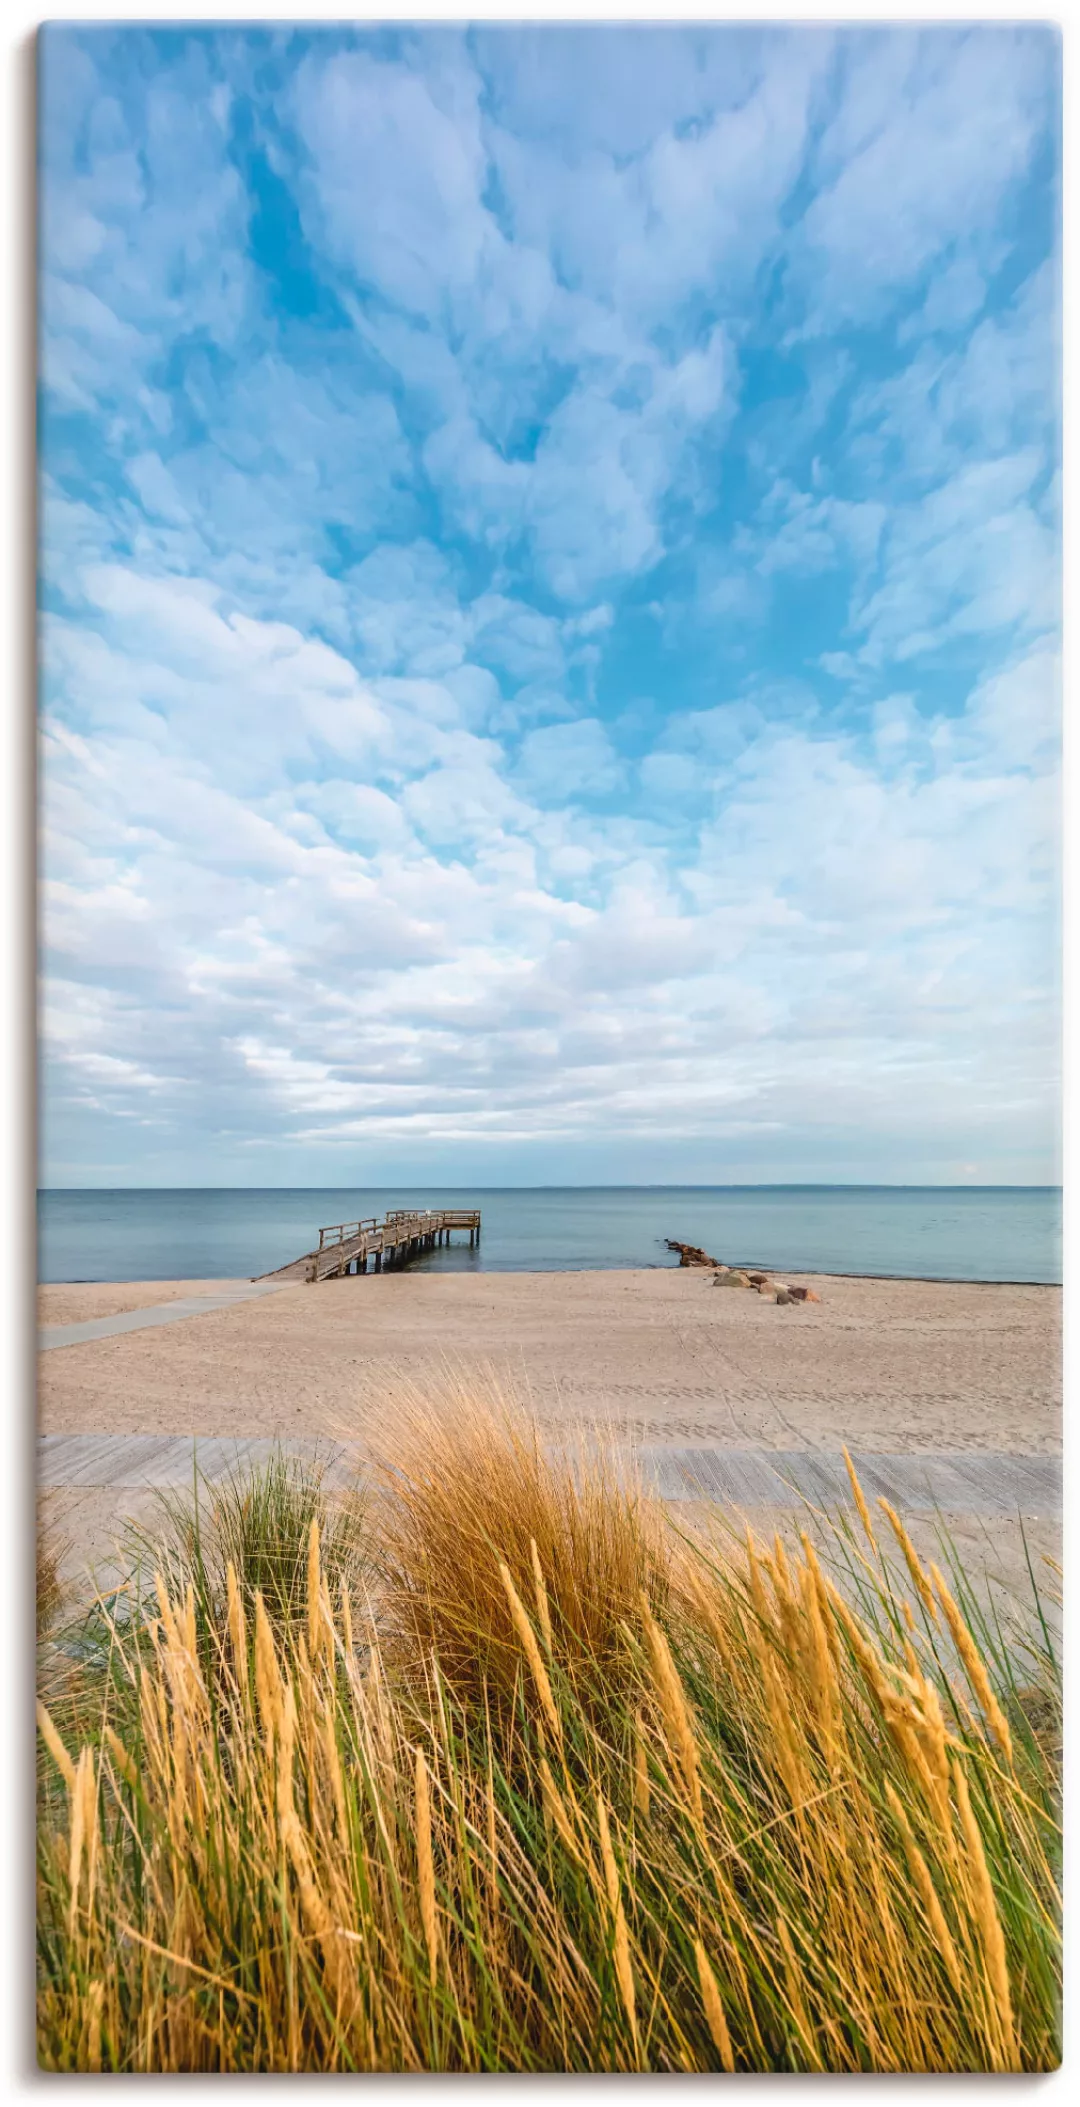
(346,1247)
(954,1481)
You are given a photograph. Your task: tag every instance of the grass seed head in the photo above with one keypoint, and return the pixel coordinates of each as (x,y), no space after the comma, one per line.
(55,1747)
(532,1652)
(974,1667)
(675,1710)
(860,1502)
(714,2009)
(911,1558)
(425,1862)
(624,1973)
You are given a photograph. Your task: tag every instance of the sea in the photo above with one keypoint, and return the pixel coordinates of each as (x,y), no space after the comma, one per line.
(991,1233)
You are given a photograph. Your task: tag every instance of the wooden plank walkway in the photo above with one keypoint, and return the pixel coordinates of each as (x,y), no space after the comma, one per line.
(958,1481)
(976,1482)
(346,1247)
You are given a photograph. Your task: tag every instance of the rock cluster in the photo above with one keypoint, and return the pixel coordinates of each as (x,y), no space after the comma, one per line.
(734,1277)
(770,1290)
(691,1254)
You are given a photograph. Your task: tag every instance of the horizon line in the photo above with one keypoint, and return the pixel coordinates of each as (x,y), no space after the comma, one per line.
(656,1185)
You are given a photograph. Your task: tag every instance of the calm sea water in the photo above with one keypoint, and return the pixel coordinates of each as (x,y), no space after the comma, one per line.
(922,1232)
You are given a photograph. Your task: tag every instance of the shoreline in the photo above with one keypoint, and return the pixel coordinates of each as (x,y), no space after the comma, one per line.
(443,1272)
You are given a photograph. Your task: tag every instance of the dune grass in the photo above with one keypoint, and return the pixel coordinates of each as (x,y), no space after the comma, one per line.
(259,1523)
(473,1493)
(547,1789)
(48,1588)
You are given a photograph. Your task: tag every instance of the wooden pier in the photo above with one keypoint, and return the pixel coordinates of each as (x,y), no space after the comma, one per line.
(346,1247)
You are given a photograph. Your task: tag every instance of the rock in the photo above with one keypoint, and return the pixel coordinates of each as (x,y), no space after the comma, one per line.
(783,1295)
(730,1278)
(691,1254)
(758,1280)
(798,1294)
(768,1294)
(811,1297)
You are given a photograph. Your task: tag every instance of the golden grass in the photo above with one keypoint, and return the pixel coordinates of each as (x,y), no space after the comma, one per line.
(49,1588)
(691,1812)
(481,1528)
(260,1525)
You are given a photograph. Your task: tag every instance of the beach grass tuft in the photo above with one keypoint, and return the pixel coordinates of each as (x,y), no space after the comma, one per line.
(258,1523)
(482,1525)
(49,1588)
(577,1794)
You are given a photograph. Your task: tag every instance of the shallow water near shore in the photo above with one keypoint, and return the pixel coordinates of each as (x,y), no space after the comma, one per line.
(988,1233)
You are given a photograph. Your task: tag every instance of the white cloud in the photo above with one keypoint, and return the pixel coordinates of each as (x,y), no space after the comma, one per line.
(836,914)
(561,762)
(972,558)
(428,235)
(916,158)
(590,491)
(436,742)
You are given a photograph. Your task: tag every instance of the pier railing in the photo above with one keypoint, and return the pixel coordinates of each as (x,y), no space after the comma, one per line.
(402,1234)
(343,1232)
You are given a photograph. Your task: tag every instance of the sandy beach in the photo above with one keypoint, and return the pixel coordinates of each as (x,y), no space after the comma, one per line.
(661,1354)
(658,1356)
(76,1301)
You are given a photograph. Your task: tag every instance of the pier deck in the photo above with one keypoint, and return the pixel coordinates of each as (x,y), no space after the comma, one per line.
(347,1247)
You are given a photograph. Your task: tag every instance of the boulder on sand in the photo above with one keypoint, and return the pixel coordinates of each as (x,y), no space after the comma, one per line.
(785,1295)
(758,1280)
(730,1277)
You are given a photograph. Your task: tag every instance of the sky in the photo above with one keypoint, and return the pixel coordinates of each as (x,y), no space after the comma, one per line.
(550,594)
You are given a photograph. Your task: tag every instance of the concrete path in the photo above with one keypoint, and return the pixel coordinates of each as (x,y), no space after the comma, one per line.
(156,1313)
(956,1481)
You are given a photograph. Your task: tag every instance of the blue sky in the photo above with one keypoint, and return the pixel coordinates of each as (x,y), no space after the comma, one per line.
(550,600)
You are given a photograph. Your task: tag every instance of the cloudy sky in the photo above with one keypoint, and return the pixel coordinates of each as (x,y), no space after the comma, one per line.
(550,605)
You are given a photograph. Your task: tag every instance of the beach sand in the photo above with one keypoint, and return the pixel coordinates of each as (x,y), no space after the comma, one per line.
(661,1356)
(76,1302)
